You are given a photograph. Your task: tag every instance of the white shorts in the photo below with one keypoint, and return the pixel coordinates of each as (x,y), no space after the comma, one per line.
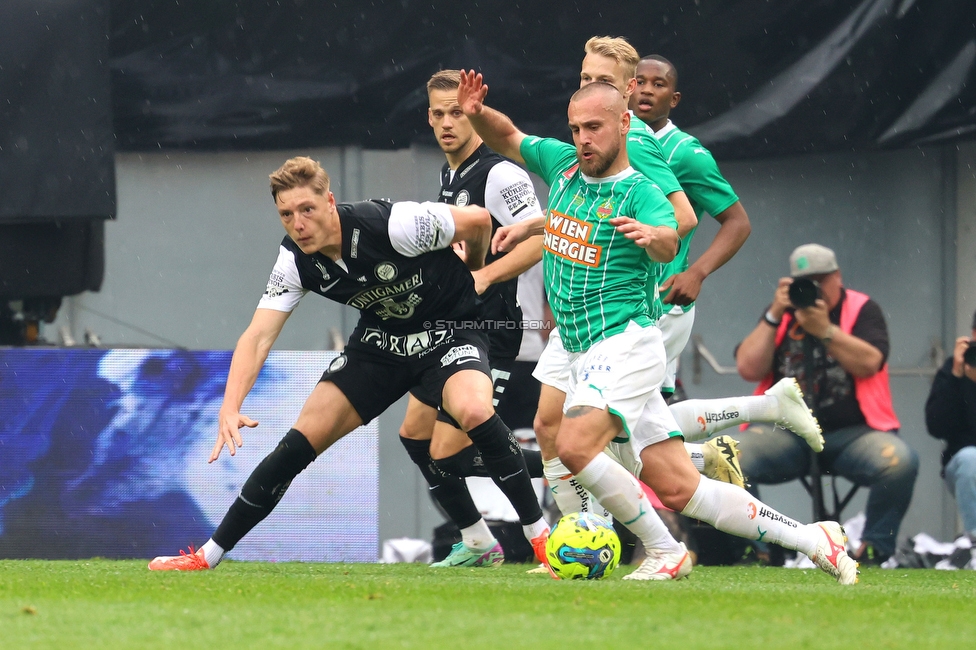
(676,329)
(552,369)
(656,424)
(619,373)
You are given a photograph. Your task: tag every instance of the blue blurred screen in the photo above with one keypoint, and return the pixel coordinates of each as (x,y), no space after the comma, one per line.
(104,453)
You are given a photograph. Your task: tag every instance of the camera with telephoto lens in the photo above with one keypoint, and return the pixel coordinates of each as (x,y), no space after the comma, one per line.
(969,356)
(804,293)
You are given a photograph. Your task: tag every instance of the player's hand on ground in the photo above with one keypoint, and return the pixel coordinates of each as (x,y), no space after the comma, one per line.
(682,288)
(229,432)
(471,92)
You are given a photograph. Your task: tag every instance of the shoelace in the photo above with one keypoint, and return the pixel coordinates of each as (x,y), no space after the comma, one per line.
(192,556)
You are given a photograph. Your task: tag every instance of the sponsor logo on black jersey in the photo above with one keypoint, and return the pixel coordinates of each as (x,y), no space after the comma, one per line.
(406,345)
(460,354)
(391,300)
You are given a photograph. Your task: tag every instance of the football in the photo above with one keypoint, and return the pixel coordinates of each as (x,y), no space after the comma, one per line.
(583,546)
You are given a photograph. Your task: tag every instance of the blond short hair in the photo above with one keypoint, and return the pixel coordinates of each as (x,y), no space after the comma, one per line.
(616,48)
(444,80)
(300,172)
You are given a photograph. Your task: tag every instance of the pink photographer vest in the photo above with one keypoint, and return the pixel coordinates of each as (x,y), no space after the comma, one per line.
(873,393)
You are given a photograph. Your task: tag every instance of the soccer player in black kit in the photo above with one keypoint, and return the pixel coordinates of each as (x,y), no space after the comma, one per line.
(393,262)
(473,175)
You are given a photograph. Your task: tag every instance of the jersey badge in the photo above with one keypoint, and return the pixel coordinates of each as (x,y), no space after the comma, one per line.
(338,363)
(385,271)
(462,199)
(605,209)
(323,270)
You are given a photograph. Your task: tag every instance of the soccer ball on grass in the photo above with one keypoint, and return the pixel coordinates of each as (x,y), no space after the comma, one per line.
(583,546)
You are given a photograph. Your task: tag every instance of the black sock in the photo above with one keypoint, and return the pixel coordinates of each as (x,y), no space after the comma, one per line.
(264,488)
(448,489)
(468,462)
(503,459)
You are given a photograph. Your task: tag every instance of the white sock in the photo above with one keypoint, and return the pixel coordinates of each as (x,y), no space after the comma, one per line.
(733,510)
(534,530)
(478,537)
(212,553)
(700,418)
(697,456)
(620,493)
(566,491)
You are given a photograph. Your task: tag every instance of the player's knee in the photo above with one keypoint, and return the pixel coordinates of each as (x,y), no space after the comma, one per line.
(410,432)
(574,456)
(471,415)
(675,494)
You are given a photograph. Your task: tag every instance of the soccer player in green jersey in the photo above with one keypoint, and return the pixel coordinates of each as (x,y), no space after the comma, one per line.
(613,60)
(695,168)
(615,356)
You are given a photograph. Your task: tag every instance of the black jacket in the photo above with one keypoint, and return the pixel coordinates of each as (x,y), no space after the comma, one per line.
(950,411)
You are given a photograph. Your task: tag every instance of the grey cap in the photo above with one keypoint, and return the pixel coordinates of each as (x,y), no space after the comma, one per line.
(812,259)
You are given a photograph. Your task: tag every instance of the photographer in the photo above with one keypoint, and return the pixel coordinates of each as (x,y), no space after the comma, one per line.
(834,342)
(950,414)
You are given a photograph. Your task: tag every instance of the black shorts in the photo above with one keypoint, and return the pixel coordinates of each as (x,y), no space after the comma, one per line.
(373,379)
(501,371)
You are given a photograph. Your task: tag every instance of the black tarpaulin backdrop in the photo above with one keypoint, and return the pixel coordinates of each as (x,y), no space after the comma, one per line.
(56,144)
(759,78)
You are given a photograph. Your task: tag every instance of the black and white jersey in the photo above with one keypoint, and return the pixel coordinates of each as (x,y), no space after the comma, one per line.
(397,268)
(496,183)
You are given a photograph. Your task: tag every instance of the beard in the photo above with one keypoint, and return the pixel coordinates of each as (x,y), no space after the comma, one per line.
(600,162)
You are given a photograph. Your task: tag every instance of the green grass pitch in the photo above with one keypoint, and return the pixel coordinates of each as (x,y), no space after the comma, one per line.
(120,604)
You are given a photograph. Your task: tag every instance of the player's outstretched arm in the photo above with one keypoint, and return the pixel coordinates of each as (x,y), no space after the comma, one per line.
(508,237)
(498,132)
(683,288)
(660,242)
(472,226)
(249,357)
(522,258)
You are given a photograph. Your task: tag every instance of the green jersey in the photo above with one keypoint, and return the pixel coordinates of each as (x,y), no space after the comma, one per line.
(647,156)
(698,173)
(595,277)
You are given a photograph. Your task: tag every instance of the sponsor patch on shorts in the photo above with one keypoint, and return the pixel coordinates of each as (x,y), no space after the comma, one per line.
(460,354)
